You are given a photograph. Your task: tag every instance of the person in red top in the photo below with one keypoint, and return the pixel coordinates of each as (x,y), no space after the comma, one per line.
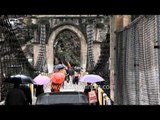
(57,80)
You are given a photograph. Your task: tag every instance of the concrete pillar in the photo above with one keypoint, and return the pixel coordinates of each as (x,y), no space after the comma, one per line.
(83,50)
(35,36)
(35,21)
(35,51)
(97,35)
(126,20)
(118,24)
(50,58)
(113,27)
(96,47)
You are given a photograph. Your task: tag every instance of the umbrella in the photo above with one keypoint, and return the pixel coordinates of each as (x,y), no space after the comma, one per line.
(41,80)
(21,79)
(91,78)
(58,77)
(59,66)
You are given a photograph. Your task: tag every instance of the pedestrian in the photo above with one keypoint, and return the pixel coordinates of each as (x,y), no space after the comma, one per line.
(27,91)
(67,76)
(88,89)
(55,87)
(39,89)
(15,96)
(71,74)
(76,77)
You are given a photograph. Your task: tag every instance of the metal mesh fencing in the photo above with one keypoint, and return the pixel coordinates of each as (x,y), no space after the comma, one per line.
(12,58)
(138,62)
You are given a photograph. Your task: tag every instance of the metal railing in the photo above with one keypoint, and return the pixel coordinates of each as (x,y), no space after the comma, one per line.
(12,59)
(90,49)
(138,62)
(41,61)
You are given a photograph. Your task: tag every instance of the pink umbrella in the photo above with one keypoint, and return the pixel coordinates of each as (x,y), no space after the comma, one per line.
(91,78)
(41,80)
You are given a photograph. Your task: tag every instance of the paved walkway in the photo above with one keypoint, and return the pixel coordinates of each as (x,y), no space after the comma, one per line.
(73,87)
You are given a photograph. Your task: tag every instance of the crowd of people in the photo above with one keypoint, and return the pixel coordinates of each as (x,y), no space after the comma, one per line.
(23,91)
(72,74)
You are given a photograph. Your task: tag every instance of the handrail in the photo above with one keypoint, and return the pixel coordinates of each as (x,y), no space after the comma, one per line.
(102,96)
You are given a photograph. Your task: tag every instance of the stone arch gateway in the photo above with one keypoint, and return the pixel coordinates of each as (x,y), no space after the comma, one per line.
(50,49)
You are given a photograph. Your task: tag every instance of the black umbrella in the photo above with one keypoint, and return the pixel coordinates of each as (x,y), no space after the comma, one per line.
(59,66)
(22,79)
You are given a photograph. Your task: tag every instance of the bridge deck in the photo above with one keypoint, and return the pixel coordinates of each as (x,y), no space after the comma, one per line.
(67,87)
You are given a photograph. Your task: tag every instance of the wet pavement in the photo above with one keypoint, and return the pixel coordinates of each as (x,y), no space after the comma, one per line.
(67,87)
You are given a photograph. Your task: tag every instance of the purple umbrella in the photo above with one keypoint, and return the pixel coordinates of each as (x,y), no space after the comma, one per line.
(91,78)
(41,80)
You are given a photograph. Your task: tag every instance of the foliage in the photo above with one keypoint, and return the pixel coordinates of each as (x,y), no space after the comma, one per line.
(68,48)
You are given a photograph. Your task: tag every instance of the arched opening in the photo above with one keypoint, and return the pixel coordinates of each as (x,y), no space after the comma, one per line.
(52,41)
(67,48)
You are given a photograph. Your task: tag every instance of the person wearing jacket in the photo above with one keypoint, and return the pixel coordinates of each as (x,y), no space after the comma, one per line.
(15,96)
(27,91)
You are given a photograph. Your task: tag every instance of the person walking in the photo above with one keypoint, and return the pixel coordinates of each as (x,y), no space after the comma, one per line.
(76,77)
(27,91)
(16,96)
(39,89)
(71,74)
(67,75)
